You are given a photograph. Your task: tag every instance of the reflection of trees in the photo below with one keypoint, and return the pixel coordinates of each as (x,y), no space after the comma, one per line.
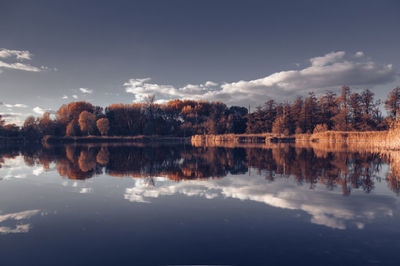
(103,156)
(393,176)
(330,166)
(346,169)
(176,163)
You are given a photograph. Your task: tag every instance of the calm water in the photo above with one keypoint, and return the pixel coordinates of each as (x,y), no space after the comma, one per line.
(139,205)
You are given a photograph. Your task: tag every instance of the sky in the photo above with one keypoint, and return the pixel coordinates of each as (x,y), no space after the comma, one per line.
(238,52)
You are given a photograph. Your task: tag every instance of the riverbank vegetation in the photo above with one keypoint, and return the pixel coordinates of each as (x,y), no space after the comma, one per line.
(349,111)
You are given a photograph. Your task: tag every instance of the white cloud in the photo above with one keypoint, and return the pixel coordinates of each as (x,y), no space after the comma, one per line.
(17,105)
(21,55)
(13,118)
(38,171)
(40,111)
(327,72)
(75,96)
(86,90)
(65,97)
(20,66)
(18,55)
(210,84)
(327,59)
(20,105)
(359,54)
(141,88)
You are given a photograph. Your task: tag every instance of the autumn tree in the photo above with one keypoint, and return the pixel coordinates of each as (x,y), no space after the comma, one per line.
(342,118)
(355,111)
(76,108)
(392,103)
(329,107)
(278,127)
(72,128)
(126,119)
(103,125)
(310,113)
(87,122)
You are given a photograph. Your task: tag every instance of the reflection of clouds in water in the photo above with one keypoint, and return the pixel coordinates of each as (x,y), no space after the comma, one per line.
(16,168)
(17,216)
(85,190)
(78,186)
(38,170)
(326,208)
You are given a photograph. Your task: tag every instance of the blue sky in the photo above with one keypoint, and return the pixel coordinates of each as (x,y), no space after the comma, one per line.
(238,52)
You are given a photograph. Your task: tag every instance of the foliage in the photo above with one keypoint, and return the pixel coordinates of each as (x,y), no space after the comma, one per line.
(349,111)
(103,125)
(87,122)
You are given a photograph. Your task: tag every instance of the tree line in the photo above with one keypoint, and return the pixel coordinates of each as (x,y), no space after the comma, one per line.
(357,111)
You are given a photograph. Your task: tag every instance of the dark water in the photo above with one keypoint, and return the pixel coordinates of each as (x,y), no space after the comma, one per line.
(163,205)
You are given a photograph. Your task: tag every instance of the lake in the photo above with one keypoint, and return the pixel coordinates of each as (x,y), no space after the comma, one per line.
(282,204)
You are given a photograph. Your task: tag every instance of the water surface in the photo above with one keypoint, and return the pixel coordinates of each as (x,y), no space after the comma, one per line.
(174,204)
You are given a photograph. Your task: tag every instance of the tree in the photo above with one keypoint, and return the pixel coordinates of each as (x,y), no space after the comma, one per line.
(342,118)
(72,129)
(355,110)
(76,108)
(392,103)
(11,130)
(103,125)
(126,119)
(2,121)
(46,124)
(310,113)
(30,128)
(371,117)
(87,122)
(278,127)
(329,106)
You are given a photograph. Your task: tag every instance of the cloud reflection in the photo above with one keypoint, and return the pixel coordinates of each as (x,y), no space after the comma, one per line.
(16,217)
(327,208)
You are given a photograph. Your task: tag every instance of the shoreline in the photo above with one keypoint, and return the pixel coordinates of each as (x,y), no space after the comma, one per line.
(388,139)
(383,139)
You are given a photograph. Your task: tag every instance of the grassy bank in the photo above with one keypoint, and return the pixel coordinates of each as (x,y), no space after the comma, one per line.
(351,136)
(240,138)
(247,138)
(389,139)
